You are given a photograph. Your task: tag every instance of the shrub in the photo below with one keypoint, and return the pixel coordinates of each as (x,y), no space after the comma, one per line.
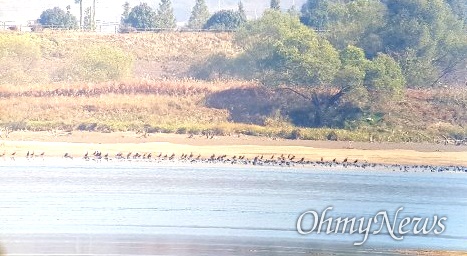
(99,63)
(19,55)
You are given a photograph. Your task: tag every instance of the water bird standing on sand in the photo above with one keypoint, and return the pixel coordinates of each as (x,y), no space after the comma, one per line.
(13,155)
(27,155)
(67,156)
(2,155)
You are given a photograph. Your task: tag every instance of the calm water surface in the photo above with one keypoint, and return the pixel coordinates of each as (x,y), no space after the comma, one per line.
(86,208)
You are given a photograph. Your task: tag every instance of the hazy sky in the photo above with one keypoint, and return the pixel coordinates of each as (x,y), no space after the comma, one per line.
(20,11)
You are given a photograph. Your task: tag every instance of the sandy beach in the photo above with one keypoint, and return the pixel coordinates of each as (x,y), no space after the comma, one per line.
(77,143)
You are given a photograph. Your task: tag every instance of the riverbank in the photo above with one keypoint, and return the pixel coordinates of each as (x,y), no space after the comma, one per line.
(78,143)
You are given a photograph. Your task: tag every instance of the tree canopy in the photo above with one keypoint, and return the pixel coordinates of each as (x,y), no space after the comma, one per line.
(142,16)
(283,51)
(199,15)
(224,20)
(284,54)
(426,37)
(59,18)
(165,15)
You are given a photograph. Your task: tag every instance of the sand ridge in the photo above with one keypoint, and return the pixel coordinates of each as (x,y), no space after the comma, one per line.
(77,143)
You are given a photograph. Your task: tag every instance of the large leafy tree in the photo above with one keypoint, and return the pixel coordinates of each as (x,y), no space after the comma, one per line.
(356,23)
(59,18)
(424,36)
(224,20)
(283,53)
(165,15)
(142,16)
(199,15)
(315,13)
(427,38)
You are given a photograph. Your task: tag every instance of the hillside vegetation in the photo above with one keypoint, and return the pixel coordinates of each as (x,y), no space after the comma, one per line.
(144,83)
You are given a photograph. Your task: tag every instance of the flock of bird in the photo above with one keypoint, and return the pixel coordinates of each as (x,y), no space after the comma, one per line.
(260,160)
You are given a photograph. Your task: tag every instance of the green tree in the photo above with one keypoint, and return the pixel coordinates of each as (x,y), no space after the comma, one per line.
(57,17)
(315,13)
(199,15)
(354,23)
(125,14)
(165,15)
(275,5)
(384,79)
(241,11)
(282,52)
(224,20)
(80,2)
(142,16)
(426,37)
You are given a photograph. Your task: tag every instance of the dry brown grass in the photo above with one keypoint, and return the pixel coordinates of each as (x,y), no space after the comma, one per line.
(173,87)
(166,54)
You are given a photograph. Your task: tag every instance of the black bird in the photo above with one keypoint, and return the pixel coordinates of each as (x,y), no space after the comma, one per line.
(67,156)
(345,160)
(27,155)
(356,160)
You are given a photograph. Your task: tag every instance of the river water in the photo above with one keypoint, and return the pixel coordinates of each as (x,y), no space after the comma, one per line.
(73,207)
